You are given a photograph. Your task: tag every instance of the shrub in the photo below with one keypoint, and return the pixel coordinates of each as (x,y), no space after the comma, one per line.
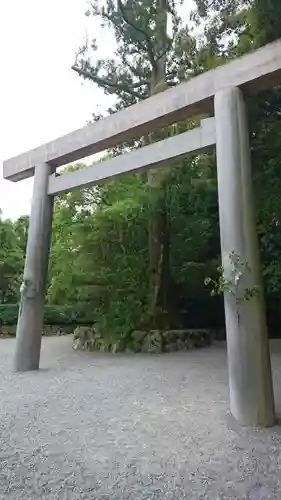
(53,315)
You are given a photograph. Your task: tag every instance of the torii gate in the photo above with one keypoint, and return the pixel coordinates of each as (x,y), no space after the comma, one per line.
(219,92)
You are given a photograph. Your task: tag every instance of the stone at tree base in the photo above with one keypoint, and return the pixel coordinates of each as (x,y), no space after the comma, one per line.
(189,342)
(139,335)
(84,338)
(186,339)
(136,346)
(152,341)
(171,347)
(117,346)
(180,345)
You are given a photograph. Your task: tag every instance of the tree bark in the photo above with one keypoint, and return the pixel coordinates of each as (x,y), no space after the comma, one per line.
(158,219)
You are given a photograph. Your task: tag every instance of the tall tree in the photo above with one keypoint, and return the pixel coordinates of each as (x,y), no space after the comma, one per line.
(153,51)
(233,28)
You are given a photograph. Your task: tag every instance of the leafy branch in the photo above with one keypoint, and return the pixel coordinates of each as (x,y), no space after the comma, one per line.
(111,86)
(231,281)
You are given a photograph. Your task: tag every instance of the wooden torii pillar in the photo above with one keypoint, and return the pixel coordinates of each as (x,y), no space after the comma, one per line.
(219,91)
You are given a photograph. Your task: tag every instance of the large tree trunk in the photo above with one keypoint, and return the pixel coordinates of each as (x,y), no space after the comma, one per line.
(159,238)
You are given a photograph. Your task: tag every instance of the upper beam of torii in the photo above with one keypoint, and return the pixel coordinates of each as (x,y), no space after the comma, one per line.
(218,92)
(253,72)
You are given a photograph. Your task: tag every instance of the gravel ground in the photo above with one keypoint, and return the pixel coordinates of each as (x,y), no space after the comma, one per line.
(96,426)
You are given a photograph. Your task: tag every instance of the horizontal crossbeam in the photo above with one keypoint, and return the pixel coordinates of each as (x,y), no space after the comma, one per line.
(156,155)
(252,72)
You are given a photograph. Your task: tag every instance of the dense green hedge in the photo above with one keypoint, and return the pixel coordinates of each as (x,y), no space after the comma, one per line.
(53,315)
(196,313)
(208,312)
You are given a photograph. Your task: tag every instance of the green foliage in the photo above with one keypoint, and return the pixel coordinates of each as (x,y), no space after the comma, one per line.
(99,255)
(104,232)
(231,279)
(233,28)
(142,40)
(107,251)
(268,26)
(148,59)
(21,230)
(53,314)
(8,314)
(11,262)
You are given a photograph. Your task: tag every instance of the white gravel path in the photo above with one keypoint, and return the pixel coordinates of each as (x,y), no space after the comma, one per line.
(96,426)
